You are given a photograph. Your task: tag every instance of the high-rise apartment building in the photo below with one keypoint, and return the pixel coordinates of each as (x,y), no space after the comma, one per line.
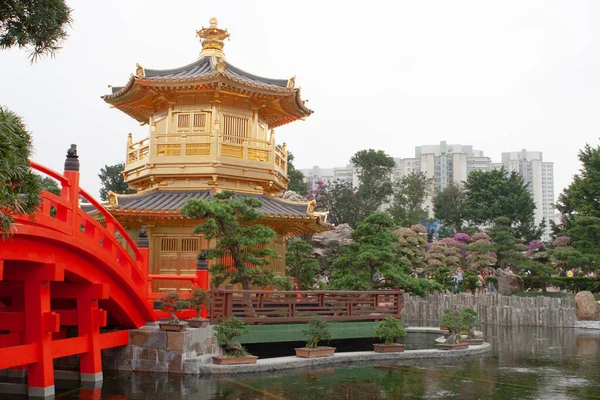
(539,176)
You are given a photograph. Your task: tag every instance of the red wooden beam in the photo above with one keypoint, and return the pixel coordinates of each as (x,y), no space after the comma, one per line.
(10,339)
(1,269)
(62,290)
(45,272)
(70,346)
(114,339)
(18,355)
(51,322)
(67,317)
(12,321)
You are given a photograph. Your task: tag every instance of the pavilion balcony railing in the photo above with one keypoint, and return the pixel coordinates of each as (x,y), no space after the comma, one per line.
(283,306)
(264,152)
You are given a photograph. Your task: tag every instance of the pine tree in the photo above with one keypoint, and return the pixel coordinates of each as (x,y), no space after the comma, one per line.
(19,186)
(232,221)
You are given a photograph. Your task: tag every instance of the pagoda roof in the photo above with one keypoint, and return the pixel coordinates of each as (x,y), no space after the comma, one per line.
(207,73)
(168,203)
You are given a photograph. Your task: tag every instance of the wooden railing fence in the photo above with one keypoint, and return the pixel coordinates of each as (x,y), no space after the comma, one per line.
(285,306)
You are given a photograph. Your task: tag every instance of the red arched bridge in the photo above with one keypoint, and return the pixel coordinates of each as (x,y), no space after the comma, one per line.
(63,277)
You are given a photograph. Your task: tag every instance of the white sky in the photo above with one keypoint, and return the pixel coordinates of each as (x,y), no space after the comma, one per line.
(501,76)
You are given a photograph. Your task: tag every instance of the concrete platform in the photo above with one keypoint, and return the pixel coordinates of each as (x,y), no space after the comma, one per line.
(200,367)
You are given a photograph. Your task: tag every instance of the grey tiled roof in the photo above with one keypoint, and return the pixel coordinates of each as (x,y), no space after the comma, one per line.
(165,200)
(204,67)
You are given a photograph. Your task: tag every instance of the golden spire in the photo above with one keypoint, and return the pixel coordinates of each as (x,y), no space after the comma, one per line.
(212,39)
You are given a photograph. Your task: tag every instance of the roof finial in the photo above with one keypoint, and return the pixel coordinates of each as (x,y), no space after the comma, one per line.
(212,39)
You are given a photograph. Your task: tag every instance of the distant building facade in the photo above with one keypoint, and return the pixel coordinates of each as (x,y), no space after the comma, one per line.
(539,176)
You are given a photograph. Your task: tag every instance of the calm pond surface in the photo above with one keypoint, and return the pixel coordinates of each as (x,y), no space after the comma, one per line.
(525,363)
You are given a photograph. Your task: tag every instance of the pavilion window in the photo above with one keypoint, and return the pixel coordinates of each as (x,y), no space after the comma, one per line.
(200,120)
(235,129)
(183,121)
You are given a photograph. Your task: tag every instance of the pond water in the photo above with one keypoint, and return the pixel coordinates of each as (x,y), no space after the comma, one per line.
(525,363)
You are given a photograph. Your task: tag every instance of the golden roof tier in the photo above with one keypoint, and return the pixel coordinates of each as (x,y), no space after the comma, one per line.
(211,124)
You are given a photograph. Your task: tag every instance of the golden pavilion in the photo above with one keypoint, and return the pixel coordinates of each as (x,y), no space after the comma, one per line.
(211,129)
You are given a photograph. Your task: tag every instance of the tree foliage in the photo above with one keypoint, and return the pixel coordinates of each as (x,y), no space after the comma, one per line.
(232,221)
(373,251)
(49,184)
(581,197)
(318,195)
(19,186)
(300,263)
(410,193)
(39,24)
(497,193)
(374,169)
(344,204)
(443,253)
(449,206)
(411,244)
(370,252)
(479,254)
(111,178)
(505,244)
(296,177)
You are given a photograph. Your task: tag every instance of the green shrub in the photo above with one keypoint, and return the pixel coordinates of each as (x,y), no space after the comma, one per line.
(389,328)
(574,284)
(470,321)
(470,281)
(318,330)
(225,332)
(199,298)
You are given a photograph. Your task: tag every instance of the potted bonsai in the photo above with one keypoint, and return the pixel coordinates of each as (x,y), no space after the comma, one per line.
(317,331)
(234,352)
(453,320)
(200,298)
(470,320)
(172,303)
(388,329)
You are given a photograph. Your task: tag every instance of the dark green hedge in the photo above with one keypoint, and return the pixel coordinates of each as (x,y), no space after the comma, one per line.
(574,284)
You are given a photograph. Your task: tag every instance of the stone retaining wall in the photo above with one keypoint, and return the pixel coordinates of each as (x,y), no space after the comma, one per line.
(153,350)
(493,309)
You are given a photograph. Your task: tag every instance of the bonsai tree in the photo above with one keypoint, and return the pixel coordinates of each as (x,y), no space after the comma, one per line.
(171,303)
(317,331)
(470,320)
(453,320)
(199,298)
(389,328)
(225,332)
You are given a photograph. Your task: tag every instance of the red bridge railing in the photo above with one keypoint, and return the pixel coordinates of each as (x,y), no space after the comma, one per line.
(62,213)
(285,306)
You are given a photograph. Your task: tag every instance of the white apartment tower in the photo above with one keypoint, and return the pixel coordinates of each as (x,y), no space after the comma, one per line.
(539,176)
(447,163)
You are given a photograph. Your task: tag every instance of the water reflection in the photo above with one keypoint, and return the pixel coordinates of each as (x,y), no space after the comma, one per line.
(526,363)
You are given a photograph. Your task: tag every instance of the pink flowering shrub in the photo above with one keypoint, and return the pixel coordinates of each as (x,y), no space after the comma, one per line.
(462,237)
(536,245)
(562,241)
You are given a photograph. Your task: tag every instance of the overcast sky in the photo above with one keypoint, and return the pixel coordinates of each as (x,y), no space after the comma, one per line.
(501,76)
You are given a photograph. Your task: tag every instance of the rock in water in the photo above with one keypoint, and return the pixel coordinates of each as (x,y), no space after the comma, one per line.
(586,307)
(509,283)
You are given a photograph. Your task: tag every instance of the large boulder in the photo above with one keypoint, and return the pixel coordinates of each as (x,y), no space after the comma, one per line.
(509,283)
(340,234)
(587,308)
